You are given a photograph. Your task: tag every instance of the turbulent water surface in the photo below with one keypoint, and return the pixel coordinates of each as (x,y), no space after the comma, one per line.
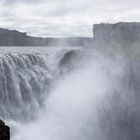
(65,94)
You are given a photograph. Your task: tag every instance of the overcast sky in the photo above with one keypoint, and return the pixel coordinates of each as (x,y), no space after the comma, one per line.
(64,17)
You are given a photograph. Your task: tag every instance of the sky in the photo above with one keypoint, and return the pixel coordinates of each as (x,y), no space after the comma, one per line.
(65,18)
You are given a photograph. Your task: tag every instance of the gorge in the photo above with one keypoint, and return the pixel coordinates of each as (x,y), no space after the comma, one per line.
(72,92)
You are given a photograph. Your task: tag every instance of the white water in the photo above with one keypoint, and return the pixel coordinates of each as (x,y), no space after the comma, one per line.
(25,77)
(92,102)
(73,107)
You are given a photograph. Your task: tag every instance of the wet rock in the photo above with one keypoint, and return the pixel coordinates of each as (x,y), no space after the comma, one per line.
(4,131)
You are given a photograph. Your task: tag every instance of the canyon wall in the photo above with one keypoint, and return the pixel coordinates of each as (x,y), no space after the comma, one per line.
(122,33)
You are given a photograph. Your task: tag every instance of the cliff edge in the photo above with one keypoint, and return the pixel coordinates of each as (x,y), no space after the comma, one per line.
(122,33)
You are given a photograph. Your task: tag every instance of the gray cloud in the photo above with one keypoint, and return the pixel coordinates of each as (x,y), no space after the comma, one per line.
(65,17)
(9,2)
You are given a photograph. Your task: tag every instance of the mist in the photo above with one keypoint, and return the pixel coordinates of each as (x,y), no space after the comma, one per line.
(92,101)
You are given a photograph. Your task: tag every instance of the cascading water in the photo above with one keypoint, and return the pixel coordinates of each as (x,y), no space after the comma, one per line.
(24,77)
(90,102)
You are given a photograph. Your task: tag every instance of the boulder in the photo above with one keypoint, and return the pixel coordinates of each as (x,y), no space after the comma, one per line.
(4,131)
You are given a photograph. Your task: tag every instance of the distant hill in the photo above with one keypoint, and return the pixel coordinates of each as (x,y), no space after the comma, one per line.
(16,38)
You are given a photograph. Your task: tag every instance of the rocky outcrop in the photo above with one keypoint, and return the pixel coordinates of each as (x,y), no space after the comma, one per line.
(122,33)
(4,131)
(69,61)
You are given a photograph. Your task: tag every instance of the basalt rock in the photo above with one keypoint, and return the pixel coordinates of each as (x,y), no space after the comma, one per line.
(4,131)
(121,33)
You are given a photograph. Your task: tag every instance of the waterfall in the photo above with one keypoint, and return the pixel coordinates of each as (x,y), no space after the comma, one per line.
(79,104)
(25,79)
(68,94)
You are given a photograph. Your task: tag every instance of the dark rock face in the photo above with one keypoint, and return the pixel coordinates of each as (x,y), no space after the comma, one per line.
(4,131)
(68,62)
